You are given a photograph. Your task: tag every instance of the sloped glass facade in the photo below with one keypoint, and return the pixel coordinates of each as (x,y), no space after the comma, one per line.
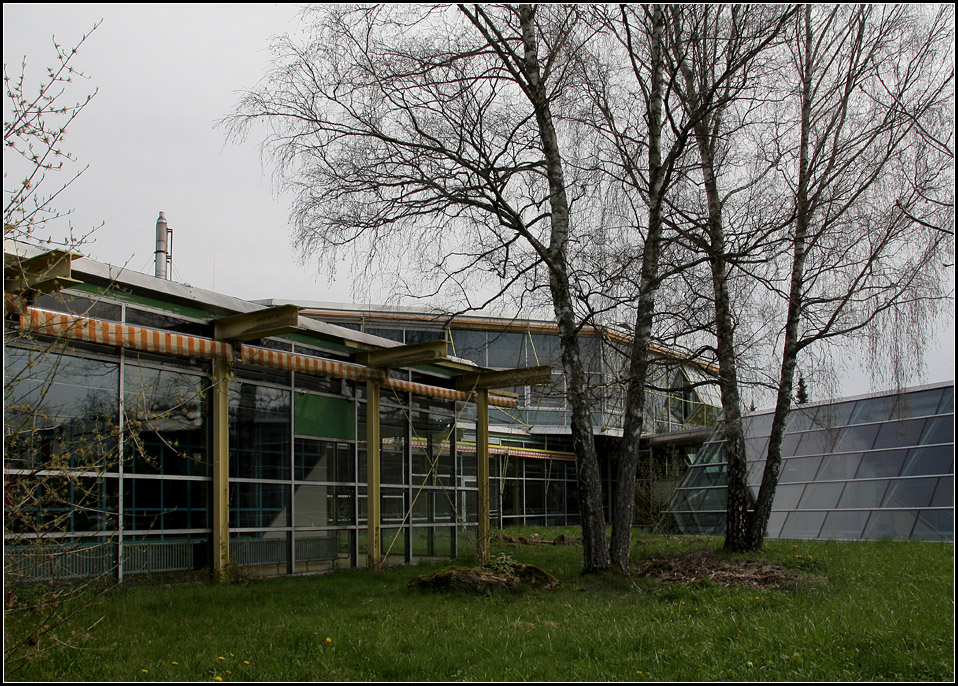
(868,468)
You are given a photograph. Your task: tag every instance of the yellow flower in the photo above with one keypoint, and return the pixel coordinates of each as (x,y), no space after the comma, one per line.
(329,640)
(217,678)
(245,662)
(175,663)
(221,658)
(145,671)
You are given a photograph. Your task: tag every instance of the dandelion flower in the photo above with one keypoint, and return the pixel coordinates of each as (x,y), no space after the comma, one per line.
(174,663)
(245,662)
(145,671)
(221,658)
(329,640)
(217,678)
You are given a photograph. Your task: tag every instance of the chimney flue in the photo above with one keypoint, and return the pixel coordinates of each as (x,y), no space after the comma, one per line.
(162,254)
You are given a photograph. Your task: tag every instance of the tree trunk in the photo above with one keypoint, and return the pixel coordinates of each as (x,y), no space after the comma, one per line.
(803,217)
(623,513)
(595,544)
(738,519)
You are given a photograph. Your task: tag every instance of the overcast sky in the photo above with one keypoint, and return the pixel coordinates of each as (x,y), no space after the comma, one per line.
(165,75)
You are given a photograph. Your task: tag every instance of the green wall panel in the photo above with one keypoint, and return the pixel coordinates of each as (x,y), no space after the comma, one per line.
(323,417)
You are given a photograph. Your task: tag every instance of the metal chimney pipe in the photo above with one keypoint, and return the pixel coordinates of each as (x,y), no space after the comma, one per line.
(162,246)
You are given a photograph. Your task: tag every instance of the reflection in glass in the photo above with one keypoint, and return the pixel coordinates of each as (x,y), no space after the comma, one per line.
(934,460)
(896,433)
(935,524)
(853,438)
(841,466)
(159,504)
(890,524)
(787,497)
(880,464)
(944,493)
(910,493)
(60,411)
(799,469)
(165,415)
(258,505)
(863,494)
(845,525)
(939,430)
(803,525)
(821,496)
(260,427)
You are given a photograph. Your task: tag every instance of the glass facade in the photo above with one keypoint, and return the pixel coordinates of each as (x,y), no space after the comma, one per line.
(109,449)
(108,456)
(689,403)
(876,467)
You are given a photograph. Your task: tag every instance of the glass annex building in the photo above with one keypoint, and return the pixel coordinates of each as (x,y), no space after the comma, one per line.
(880,466)
(121,389)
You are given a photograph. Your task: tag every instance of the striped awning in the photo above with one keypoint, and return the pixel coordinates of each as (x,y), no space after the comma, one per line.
(518,452)
(123,335)
(168,343)
(306,364)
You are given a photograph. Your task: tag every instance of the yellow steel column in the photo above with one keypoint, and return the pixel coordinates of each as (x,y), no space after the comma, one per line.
(373,535)
(482,455)
(221,468)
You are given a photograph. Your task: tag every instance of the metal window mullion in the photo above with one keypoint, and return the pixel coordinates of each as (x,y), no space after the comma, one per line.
(291,541)
(459,487)
(120,452)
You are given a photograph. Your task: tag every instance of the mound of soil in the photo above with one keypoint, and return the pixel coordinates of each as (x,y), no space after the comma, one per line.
(484,580)
(702,565)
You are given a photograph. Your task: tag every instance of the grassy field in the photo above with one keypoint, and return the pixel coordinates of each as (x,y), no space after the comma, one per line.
(872,611)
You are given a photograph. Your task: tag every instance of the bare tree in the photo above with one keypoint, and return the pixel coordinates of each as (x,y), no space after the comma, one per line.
(33,145)
(43,453)
(655,42)
(430,133)
(859,91)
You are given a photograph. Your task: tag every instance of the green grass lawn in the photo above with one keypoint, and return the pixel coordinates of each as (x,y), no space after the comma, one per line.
(858,612)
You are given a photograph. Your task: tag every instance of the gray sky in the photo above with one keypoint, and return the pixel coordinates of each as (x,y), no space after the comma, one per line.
(166,74)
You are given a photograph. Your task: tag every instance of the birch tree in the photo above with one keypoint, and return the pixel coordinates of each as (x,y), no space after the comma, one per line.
(430,134)
(860,89)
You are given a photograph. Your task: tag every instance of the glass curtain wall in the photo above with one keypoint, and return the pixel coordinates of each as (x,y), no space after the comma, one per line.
(70,413)
(532,491)
(297,463)
(879,467)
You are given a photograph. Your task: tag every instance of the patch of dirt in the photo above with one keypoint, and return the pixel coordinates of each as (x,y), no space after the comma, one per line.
(561,539)
(485,580)
(701,565)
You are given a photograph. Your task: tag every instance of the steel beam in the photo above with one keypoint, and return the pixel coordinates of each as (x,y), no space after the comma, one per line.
(260,324)
(373,521)
(482,455)
(526,376)
(221,468)
(404,355)
(46,273)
